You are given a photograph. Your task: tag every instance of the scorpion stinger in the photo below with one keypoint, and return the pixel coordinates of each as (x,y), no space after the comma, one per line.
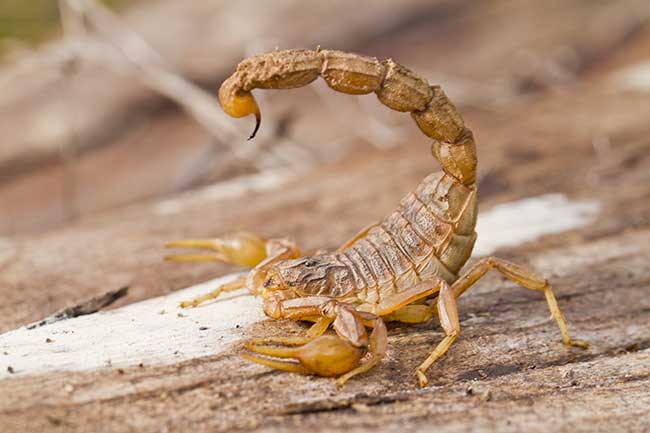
(404,268)
(258,122)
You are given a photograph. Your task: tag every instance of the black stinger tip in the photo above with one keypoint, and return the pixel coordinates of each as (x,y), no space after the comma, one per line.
(258,122)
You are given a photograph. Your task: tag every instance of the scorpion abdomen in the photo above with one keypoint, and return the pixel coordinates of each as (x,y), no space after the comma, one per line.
(430,235)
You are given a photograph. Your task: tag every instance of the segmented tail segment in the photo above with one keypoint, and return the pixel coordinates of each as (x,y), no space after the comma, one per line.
(396,87)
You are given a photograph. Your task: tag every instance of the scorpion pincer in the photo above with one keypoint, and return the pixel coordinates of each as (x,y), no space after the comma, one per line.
(404,268)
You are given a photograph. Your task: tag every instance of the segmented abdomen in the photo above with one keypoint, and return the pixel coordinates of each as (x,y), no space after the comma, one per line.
(431,234)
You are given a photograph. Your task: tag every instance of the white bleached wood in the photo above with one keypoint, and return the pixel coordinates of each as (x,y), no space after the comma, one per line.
(510,224)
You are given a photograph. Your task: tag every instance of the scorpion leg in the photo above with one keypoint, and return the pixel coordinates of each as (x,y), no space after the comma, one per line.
(448,314)
(408,306)
(324,355)
(523,277)
(419,313)
(378,346)
(236,284)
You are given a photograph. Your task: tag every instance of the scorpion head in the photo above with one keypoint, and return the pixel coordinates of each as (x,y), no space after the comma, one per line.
(315,276)
(320,275)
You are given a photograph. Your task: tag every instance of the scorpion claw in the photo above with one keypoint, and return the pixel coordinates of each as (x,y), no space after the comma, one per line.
(327,356)
(243,248)
(293,367)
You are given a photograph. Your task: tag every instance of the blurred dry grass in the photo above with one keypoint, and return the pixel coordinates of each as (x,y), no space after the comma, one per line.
(95,111)
(28,23)
(102,93)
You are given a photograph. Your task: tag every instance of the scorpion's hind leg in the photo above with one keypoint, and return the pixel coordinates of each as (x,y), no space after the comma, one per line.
(448,316)
(525,278)
(325,355)
(415,313)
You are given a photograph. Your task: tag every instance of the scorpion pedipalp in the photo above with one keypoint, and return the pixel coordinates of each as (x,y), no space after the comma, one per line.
(241,248)
(327,355)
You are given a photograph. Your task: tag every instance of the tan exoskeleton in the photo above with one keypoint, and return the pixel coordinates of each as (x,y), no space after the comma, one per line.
(405,268)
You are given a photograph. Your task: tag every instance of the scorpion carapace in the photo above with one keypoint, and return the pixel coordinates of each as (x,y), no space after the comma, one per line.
(405,268)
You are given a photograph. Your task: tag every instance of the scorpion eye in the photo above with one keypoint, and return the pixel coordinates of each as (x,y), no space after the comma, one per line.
(310,263)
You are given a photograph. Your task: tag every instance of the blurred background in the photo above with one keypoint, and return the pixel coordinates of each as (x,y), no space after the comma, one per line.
(108,103)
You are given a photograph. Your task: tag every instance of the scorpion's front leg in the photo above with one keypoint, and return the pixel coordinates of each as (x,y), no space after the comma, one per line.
(324,355)
(244,249)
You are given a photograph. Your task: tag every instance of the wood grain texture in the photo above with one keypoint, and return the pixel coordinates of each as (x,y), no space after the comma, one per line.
(508,371)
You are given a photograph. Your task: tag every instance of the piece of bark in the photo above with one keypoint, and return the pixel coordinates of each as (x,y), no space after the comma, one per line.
(90,306)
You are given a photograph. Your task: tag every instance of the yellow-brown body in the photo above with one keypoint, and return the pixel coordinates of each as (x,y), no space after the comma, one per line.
(429,236)
(405,268)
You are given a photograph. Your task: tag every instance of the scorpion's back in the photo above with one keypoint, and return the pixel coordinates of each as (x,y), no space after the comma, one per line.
(431,234)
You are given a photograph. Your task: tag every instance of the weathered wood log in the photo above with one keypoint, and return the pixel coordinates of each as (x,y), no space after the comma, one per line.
(509,367)
(508,371)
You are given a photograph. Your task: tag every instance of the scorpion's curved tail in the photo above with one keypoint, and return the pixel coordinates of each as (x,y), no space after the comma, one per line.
(396,87)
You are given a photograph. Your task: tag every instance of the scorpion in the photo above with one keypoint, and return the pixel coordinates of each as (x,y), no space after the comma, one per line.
(405,268)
